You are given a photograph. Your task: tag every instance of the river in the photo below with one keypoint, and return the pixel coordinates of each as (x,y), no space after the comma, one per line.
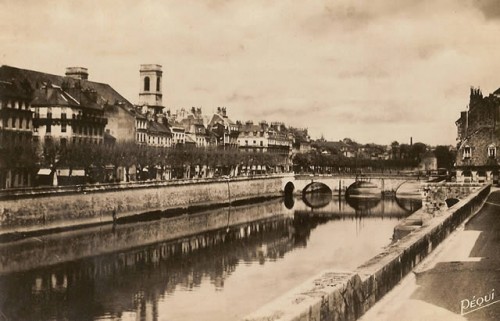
(215,265)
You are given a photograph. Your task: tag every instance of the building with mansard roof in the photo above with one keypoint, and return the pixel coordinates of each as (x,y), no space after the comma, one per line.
(222,130)
(70,115)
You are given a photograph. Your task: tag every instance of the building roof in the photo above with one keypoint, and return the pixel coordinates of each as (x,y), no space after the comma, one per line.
(105,93)
(15,89)
(52,95)
(158,128)
(217,118)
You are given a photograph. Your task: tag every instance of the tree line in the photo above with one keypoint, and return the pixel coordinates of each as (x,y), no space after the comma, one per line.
(140,162)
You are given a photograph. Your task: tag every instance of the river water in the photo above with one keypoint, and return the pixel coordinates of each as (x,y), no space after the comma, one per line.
(215,265)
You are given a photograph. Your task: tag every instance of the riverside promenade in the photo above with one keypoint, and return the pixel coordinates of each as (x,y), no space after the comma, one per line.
(460,280)
(350,294)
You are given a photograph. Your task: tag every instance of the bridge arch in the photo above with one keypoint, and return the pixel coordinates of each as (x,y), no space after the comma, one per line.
(364,184)
(320,186)
(289,188)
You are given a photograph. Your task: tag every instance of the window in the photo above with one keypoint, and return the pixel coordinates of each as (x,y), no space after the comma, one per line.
(467,152)
(246,142)
(63,127)
(49,114)
(146,83)
(492,151)
(21,121)
(49,128)
(261,143)
(158,84)
(13,122)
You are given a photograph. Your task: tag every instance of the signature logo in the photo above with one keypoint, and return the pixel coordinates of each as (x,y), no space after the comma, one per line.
(470,305)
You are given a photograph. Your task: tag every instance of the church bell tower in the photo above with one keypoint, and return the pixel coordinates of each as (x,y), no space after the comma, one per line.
(150,93)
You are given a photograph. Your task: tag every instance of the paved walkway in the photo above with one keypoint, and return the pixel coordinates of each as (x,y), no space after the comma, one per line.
(448,284)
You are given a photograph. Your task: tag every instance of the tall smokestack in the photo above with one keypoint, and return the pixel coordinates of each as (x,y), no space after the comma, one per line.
(411,141)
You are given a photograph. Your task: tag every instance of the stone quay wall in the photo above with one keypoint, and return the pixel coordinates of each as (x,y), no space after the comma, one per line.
(50,249)
(434,195)
(35,211)
(347,295)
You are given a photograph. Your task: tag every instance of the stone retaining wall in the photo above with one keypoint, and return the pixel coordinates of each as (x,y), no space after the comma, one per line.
(93,206)
(434,195)
(346,295)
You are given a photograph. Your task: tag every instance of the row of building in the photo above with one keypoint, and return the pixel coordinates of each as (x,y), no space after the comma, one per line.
(41,107)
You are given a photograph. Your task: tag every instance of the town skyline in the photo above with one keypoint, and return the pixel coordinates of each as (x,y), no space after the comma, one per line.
(374,73)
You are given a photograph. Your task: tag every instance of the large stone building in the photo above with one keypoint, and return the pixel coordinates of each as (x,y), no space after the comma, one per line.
(479,138)
(265,138)
(67,115)
(224,131)
(15,130)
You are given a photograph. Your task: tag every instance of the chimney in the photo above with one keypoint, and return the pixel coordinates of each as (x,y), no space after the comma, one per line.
(224,112)
(77,73)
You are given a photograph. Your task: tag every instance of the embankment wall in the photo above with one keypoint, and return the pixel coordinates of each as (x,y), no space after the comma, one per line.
(45,211)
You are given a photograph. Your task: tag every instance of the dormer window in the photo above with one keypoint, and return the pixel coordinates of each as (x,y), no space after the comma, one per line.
(492,151)
(467,152)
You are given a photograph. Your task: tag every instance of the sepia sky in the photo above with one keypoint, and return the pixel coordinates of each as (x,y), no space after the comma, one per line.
(375,71)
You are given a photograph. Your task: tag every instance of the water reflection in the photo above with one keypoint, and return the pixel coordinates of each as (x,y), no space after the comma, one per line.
(215,265)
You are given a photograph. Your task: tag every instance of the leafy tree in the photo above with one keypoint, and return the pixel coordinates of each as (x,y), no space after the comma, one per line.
(445,157)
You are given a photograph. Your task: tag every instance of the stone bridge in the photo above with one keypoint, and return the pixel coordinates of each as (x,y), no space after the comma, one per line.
(341,184)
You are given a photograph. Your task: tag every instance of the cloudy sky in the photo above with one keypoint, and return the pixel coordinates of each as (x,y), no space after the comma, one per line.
(375,71)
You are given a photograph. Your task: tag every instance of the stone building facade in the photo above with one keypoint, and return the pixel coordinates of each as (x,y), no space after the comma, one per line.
(479,138)
(70,115)
(16,124)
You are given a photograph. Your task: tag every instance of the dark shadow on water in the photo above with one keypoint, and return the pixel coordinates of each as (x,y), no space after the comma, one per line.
(317,199)
(362,204)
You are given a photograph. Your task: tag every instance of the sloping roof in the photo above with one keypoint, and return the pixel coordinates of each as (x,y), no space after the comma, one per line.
(155,127)
(105,93)
(217,118)
(15,89)
(52,95)
(250,127)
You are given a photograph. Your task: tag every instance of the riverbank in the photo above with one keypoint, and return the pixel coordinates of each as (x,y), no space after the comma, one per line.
(456,281)
(47,210)
(346,295)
